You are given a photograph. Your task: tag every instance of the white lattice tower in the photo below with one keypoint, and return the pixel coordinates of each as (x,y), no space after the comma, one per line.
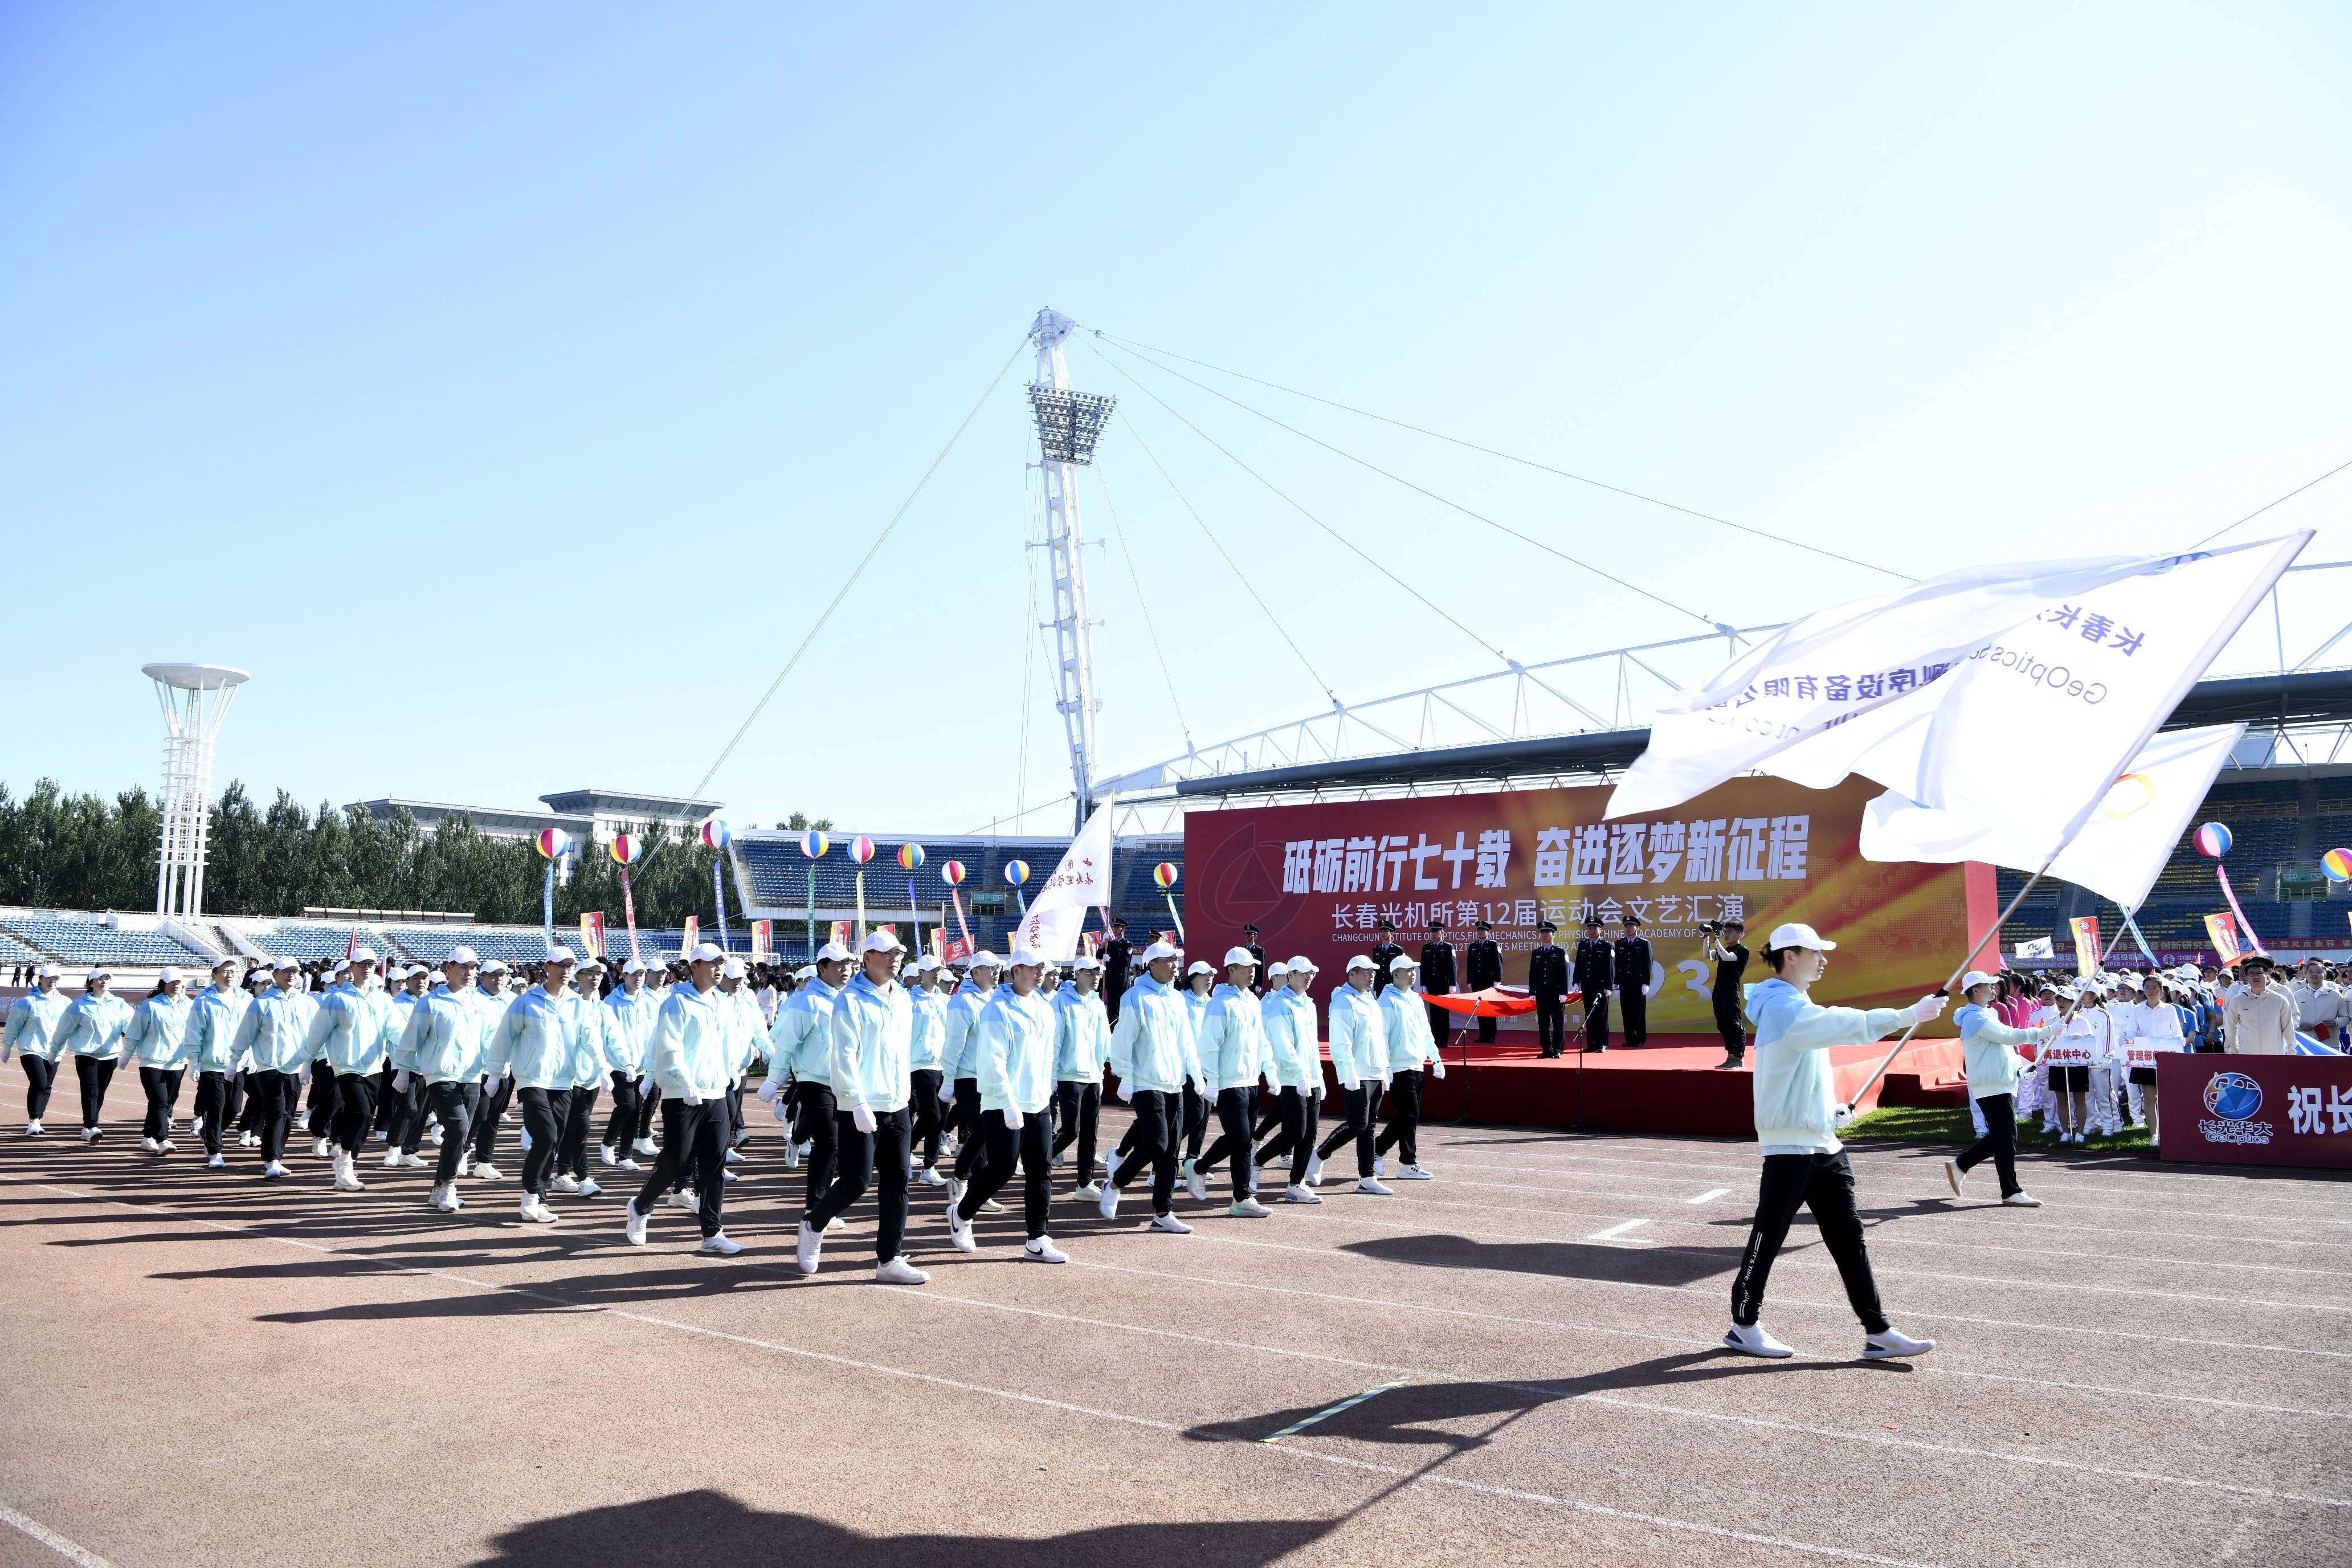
(1067,425)
(195,698)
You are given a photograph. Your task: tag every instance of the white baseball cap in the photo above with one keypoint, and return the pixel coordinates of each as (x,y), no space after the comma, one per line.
(278,964)
(1200,967)
(805,972)
(706,952)
(634,966)
(46,972)
(908,972)
(363,955)
(1401,962)
(1277,967)
(98,972)
(733,969)
(339,966)
(1796,933)
(1239,955)
(1301,961)
(1976,977)
(1025,957)
(1085,961)
(494,966)
(463,955)
(1361,961)
(1157,951)
(559,954)
(833,953)
(881,938)
(228,963)
(983,959)
(927,964)
(166,975)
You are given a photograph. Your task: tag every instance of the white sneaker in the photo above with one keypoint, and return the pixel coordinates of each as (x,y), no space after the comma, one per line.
(1109,1202)
(955,1191)
(792,1155)
(631,1165)
(645,1146)
(726,1175)
(251,1140)
(1195,1184)
(524,1137)
(1314,1169)
(1379,1164)
(836,1223)
(347,1179)
(604,1152)
(991,1206)
(931,1177)
(809,1248)
(536,1212)
(412,1161)
(719,1245)
(167,1147)
(216,1162)
(632,1224)
(466,1163)
(392,1160)
(437,1136)
(1375,1187)
(446,1200)
(1171,1224)
(149,1145)
(1300,1194)
(1753,1341)
(565,1184)
(1954,1176)
(2022,1201)
(733,1158)
(589,1189)
(1249,1208)
(90,1135)
(1893,1344)
(372,1137)
(959,1232)
(683,1199)
(898,1271)
(483,1171)
(1043,1250)
(1110,1169)
(34,1129)
(1088,1193)
(1413,1174)
(275,1171)
(320,1148)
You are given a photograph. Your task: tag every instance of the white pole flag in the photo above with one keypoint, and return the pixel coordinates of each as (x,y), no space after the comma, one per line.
(1058,913)
(1828,680)
(2120,848)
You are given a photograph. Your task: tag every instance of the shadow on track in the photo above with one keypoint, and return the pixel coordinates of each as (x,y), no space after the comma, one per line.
(1674,1266)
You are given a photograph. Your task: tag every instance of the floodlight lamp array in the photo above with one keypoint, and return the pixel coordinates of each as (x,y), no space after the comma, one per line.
(1069,423)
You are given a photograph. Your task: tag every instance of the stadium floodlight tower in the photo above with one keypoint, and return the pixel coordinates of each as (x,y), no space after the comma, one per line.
(194,698)
(1069,423)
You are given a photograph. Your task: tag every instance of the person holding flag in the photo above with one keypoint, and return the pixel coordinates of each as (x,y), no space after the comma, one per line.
(1990,1057)
(1805,1166)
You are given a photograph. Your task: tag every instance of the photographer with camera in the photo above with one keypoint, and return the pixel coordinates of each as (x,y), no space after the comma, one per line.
(1723,949)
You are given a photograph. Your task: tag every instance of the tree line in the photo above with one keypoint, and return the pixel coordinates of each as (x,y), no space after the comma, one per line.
(83,852)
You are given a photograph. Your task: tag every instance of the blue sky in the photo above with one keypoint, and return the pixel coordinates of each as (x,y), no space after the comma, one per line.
(453,369)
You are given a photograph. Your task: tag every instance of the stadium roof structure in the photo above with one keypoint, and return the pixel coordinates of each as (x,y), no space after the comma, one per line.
(632,805)
(495,821)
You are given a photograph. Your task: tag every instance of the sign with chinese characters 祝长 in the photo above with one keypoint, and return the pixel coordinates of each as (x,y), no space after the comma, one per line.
(2256,1111)
(1318,880)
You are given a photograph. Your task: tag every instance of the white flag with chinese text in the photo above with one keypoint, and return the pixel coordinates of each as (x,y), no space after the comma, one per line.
(1081,882)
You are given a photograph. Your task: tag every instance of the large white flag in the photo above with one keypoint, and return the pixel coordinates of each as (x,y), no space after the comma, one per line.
(2117,853)
(1841,668)
(1082,881)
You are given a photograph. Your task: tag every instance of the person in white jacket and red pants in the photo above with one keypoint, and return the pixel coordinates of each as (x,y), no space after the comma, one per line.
(1796,1121)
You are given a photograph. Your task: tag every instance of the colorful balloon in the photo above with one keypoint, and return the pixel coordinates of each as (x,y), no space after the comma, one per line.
(2337,864)
(910,855)
(861,849)
(1165,873)
(951,872)
(714,834)
(1016,872)
(2213,839)
(554,843)
(814,844)
(626,848)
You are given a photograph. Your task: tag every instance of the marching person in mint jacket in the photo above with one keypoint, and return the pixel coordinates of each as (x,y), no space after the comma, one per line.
(870,1044)
(1359,1060)
(156,1042)
(1796,1121)
(692,1055)
(1993,1067)
(1011,1051)
(91,1033)
(34,1020)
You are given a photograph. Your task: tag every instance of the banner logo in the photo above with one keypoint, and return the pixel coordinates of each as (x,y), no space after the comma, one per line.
(2233,1098)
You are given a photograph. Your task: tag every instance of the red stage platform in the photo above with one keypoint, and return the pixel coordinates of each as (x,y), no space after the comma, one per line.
(1673,1086)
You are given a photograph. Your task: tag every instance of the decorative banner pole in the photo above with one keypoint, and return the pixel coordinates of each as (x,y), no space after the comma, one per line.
(910,855)
(1165,874)
(951,873)
(813,845)
(553,844)
(2213,840)
(627,849)
(716,837)
(861,849)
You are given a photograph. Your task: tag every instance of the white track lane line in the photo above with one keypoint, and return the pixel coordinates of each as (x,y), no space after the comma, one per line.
(1616,1233)
(1691,1342)
(1710,1195)
(1798,1258)
(72,1551)
(1411,1478)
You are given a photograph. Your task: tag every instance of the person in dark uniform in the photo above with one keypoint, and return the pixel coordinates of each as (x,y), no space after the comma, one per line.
(1547,984)
(1382,954)
(1730,959)
(1594,973)
(1437,978)
(1258,976)
(1634,980)
(1116,957)
(1486,969)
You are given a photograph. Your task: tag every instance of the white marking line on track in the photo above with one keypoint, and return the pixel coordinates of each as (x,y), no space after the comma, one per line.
(1691,1342)
(1411,1478)
(1798,1259)
(72,1551)
(1616,1233)
(1709,1195)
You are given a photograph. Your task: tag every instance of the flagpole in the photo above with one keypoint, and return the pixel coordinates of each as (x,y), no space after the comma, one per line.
(1999,920)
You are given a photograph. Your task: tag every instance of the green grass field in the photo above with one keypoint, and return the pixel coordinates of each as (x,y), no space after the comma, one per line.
(1927,1124)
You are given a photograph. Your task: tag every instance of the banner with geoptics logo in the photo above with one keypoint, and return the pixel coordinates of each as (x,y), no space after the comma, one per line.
(2256,1111)
(1318,880)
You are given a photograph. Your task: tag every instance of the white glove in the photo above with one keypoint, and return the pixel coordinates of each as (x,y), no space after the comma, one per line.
(400,1083)
(1126,1092)
(1929,1008)
(1436,1069)
(770,1089)
(1012,1119)
(641,1083)
(1844,1114)
(692,1098)
(863,1119)
(783,1112)
(1647,990)
(1348,1084)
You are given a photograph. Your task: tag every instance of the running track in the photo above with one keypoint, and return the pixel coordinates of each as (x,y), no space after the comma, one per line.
(2154,1369)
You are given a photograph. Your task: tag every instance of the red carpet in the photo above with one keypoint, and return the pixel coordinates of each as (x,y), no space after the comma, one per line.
(1670,1086)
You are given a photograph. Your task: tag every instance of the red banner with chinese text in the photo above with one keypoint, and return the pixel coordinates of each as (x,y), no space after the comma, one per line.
(1316,879)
